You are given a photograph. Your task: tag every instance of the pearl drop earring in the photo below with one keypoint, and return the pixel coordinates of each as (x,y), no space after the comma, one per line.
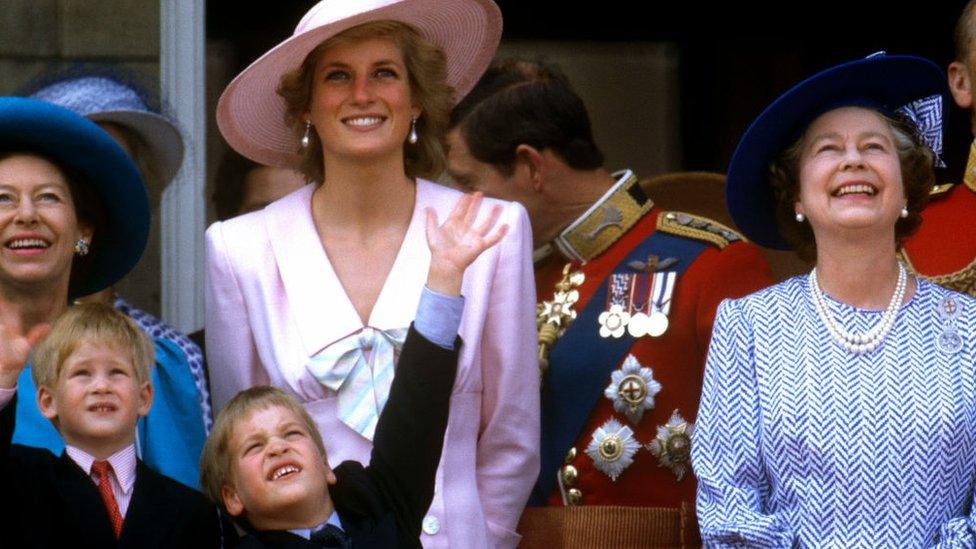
(904,212)
(413,137)
(800,218)
(307,136)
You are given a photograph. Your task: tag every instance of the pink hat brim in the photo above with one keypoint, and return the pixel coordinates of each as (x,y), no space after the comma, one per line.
(251,114)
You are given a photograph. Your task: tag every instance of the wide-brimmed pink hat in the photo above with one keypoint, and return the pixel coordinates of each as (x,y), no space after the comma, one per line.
(250,113)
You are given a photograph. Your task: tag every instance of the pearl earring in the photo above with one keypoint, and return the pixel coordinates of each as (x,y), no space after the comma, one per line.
(307,136)
(413,137)
(904,212)
(800,218)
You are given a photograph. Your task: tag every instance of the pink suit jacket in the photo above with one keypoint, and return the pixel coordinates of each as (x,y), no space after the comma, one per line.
(274,301)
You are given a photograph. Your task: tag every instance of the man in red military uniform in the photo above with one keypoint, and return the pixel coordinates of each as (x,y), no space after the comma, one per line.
(951,262)
(628,293)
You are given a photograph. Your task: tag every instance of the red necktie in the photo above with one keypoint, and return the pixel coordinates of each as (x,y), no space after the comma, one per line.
(101,469)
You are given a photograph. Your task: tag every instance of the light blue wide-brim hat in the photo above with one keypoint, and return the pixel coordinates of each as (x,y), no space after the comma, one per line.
(104,99)
(887,83)
(78,144)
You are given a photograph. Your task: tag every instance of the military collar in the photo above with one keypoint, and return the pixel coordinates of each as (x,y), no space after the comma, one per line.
(969,176)
(609,218)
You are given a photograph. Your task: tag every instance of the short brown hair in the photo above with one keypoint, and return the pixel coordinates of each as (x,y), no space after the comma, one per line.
(427,72)
(964,36)
(526,102)
(916,161)
(86,323)
(216,463)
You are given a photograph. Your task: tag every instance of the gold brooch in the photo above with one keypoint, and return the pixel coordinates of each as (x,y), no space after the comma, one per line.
(672,447)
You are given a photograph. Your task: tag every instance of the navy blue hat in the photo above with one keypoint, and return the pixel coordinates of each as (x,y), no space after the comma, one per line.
(885,83)
(77,144)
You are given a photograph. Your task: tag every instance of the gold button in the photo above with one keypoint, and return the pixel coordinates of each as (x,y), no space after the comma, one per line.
(574,496)
(570,475)
(570,456)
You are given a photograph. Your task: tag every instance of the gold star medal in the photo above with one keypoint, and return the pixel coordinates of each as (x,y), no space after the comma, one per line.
(672,446)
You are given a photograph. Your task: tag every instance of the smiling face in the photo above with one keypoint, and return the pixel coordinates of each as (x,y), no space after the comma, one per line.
(850,175)
(278,473)
(361,104)
(38,224)
(96,399)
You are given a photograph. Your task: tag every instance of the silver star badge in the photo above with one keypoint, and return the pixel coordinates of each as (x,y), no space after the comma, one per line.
(612,448)
(632,389)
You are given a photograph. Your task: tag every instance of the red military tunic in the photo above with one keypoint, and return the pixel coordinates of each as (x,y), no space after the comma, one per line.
(943,249)
(660,507)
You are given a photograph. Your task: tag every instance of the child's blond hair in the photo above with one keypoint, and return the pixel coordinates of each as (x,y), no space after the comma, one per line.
(91,323)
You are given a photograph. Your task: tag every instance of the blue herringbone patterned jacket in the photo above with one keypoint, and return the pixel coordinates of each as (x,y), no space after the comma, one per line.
(801,443)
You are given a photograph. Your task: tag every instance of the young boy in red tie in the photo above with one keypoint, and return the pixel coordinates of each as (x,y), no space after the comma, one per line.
(92,375)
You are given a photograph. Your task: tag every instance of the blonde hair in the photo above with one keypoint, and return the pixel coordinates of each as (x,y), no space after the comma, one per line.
(216,461)
(91,323)
(427,73)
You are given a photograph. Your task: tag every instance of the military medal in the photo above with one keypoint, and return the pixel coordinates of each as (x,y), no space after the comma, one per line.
(632,389)
(637,303)
(614,320)
(949,341)
(657,324)
(638,325)
(612,448)
(672,446)
(660,303)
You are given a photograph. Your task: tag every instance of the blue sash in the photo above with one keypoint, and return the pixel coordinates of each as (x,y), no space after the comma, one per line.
(581,361)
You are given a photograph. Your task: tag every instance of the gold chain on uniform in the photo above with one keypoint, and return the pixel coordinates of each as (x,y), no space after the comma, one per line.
(553,317)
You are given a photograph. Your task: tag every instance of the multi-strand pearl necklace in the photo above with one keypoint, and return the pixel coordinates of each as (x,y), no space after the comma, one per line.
(859,343)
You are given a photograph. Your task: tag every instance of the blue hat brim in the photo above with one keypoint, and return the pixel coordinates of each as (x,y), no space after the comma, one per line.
(78,144)
(886,81)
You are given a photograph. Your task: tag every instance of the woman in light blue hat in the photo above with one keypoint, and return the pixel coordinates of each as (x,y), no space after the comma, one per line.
(839,408)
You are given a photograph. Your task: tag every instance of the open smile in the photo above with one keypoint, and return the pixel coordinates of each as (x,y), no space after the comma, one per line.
(364,121)
(102,408)
(284,471)
(864,189)
(28,244)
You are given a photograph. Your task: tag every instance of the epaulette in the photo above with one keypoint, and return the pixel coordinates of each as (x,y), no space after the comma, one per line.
(940,189)
(697,227)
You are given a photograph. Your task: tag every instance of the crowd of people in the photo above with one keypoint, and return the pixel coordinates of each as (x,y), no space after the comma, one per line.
(435,318)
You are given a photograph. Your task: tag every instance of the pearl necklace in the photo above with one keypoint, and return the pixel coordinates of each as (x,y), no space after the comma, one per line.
(860,343)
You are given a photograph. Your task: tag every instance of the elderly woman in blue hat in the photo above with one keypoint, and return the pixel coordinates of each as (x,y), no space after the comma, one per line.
(839,408)
(116,103)
(171,437)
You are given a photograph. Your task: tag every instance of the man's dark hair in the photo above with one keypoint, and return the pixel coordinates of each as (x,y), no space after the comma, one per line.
(518,102)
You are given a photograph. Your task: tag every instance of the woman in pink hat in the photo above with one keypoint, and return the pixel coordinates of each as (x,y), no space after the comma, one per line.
(314,293)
